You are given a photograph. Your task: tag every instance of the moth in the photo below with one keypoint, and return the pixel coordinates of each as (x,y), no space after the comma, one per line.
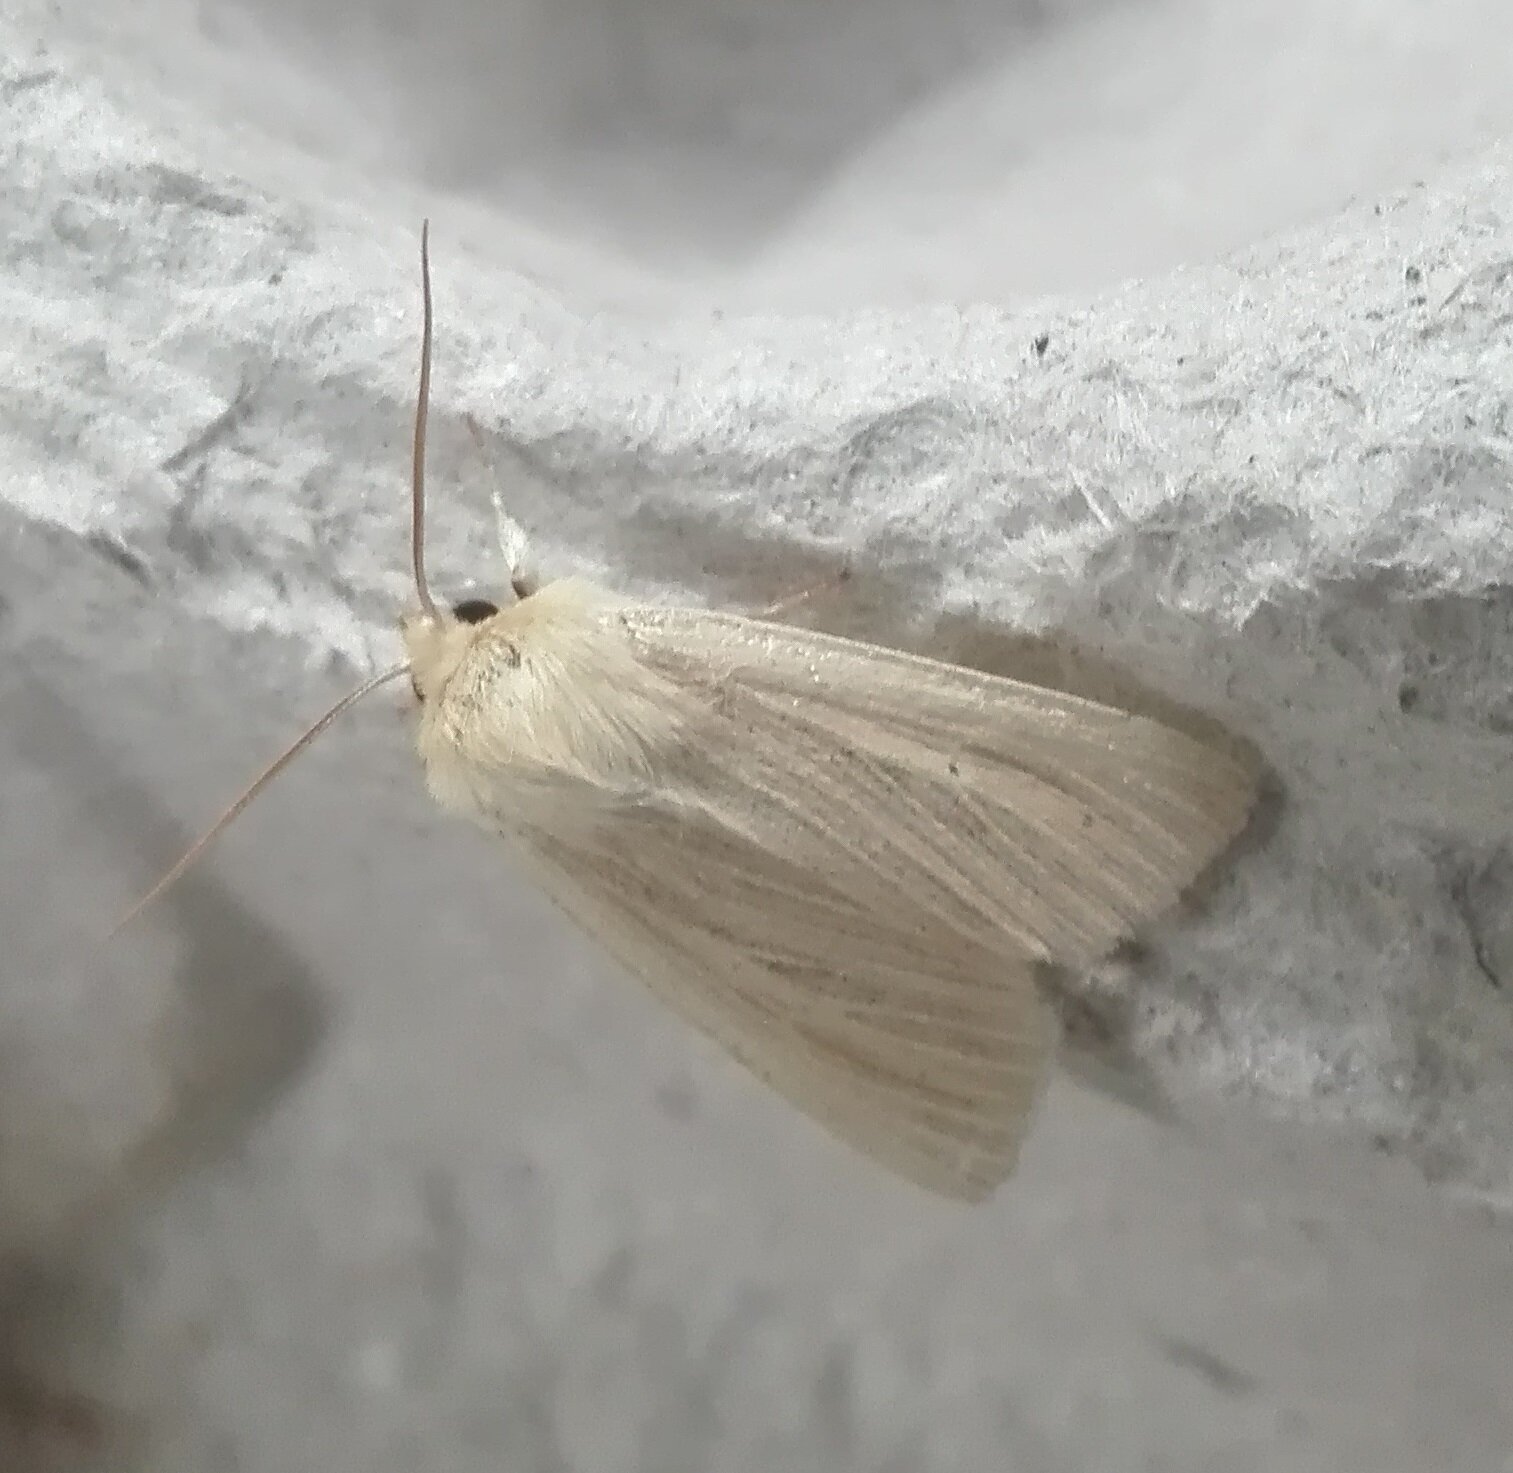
(843,863)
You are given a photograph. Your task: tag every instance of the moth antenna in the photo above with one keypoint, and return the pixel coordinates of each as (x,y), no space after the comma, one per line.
(418,457)
(256,786)
(513,542)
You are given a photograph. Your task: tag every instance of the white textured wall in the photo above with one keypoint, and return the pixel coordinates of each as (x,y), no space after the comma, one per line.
(466,1198)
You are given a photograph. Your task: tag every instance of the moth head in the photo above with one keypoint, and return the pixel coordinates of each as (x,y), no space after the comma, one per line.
(437,640)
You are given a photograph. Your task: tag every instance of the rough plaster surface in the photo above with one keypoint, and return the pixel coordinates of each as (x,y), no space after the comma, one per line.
(502,1209)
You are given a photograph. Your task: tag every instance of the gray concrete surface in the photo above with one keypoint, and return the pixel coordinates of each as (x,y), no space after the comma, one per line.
(372,1166)
(351,1157)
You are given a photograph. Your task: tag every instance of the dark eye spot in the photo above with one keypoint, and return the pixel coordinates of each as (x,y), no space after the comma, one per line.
(474,610)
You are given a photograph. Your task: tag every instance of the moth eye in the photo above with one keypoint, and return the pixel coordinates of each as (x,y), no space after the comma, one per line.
(474,610)
(420,695)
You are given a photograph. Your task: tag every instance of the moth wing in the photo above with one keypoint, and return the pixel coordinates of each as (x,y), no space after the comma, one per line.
(925,1053)
(1038,823)
(845,864)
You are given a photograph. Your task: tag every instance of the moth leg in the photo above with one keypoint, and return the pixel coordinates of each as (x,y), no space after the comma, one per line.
(513,542)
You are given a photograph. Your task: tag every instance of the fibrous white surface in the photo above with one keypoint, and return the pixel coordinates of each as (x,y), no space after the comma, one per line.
(502,1209)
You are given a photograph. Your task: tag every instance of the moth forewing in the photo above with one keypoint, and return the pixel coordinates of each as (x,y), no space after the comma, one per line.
(928,1064)
(1059,823)
(842,863)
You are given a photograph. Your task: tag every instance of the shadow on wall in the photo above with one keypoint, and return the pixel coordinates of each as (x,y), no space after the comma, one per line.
(219,1043)
(704,121)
